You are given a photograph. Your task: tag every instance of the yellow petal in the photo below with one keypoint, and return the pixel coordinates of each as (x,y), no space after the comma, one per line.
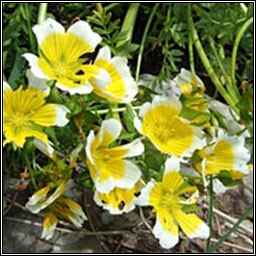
(191,225)
(49,225)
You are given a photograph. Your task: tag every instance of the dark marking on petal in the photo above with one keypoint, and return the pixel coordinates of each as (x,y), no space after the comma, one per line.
(80,72)
(121,205)
(137,193)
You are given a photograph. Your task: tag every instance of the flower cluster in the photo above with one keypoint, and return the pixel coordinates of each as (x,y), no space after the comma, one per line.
(118,179)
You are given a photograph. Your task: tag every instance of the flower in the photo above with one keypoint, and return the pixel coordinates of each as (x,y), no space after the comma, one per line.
(61,55)
(69,210)
(55,205)
(226,153)
(49,225)
(118,200)
(113,81)
(26,113)
(191,85)
(169,204)
(47,148)
(166,129)
(107,165)
(40,201)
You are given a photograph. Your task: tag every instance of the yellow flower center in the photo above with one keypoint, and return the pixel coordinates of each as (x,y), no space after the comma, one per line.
(19,119)
(167,199)
(163,132)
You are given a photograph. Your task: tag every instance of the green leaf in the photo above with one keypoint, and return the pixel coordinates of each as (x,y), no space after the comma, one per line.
(191,208)
(128,118)
(226,179)
(17,69)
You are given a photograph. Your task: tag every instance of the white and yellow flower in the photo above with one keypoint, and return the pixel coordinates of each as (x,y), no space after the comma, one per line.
(49,225)
(25,113)
(119,200)
(107,165)
(61,55)
(226,153)
(191,85)
(47,148)
(69,210)
(55,205)
(168,201)
(169,132)
(39,200)
(113,81)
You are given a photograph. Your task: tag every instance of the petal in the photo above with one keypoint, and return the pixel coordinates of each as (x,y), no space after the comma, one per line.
(137,124)
(75,208)
(132,149)
(144,109)
(188,82)
(167,233)
(120,173)
(109,131)
(104,53)
(61,111)
(49,26)
(46,115)
(198,141)
(191,225)
(38,83)
(172,180)
(18,136)
(118,200)
(34,201)
(33,61)
(173,103)
(90,139)
(57,193)
(228,153)
(83,30)
(6,86)
(49,225)
(118,85)
(143,198)
(172,165)
(47,149)
(73,88)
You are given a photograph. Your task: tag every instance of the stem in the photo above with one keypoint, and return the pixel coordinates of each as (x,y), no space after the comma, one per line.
(227,78)
(243,217)
(234,52)
(190,44)
(210,209)
(42,13)
(30,34)
(111,6)
(142,45)
(31,173)
(129,21)
(208,66)
(104,111)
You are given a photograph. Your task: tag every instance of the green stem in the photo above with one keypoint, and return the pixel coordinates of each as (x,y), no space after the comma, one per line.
(208,66)
(227,78)
(210,210)
(111,6)
(234,52)
(243,217)
(42,13)
(190,44)
(128,24)
(31,173)
(30,34)
(104,111)
(142,45)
